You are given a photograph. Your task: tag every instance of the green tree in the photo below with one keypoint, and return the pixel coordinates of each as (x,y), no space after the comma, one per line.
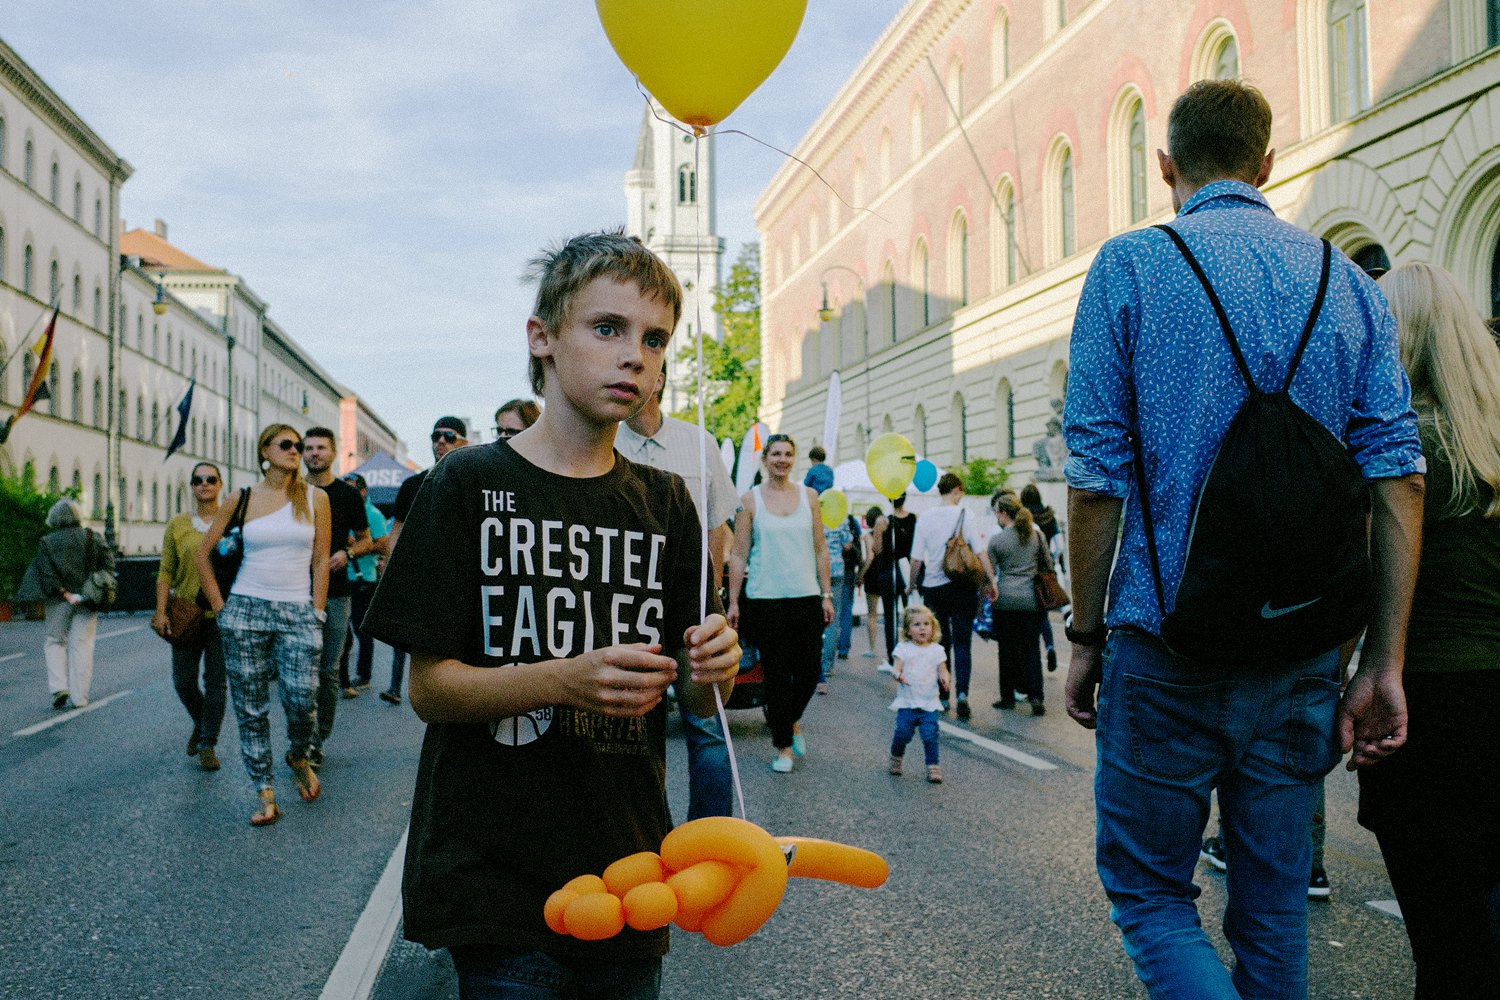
(731,367)
(983,476)
(23,522)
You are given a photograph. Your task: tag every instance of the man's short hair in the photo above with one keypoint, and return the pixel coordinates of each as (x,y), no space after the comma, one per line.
(816,453)
(321,432)
(1219,129)
(948,482)
(525,409)
(562,271)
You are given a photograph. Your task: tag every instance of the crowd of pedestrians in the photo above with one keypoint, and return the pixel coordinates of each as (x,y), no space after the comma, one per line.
(1189,339)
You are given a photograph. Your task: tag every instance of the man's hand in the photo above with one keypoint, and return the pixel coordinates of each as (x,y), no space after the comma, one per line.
(827,611)
(1372,715)
(161,625)
(1085,670)
(713,651)
(625,681)
(338,561)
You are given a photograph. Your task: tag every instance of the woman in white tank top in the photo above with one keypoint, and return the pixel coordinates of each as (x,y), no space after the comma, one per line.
(271,622)
(779,543)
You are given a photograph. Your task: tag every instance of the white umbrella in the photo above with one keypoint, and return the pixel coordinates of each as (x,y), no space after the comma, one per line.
(831,418)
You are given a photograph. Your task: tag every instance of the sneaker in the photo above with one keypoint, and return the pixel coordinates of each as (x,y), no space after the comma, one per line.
(782,765)
(896,767)
(390,696)
(362,684)
(1317,885)
(822,687)
(844,655)
(1213,853)
(1004,703)
(963,708)
(1037,707)
(886,668)
(1051,661)
(351,692)
(60,700)
(799,745)
(934,774)
(868,654)
(208,759)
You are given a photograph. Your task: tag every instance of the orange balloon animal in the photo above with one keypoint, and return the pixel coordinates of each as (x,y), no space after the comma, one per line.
(721,876)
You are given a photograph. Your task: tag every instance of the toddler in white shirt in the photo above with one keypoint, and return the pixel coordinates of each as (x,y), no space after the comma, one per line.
(921,668)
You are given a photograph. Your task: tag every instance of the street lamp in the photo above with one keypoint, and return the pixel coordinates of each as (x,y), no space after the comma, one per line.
(826,314)
(159,304)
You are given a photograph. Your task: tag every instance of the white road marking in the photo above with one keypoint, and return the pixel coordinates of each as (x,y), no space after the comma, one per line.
(1019,756)
(11,656)
(1389,907)
(353,976)
(118,631)
(58,720)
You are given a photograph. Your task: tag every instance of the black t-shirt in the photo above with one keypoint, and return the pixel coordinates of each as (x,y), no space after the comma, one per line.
(346,510)
(407,494)
(904,529)
(501,562)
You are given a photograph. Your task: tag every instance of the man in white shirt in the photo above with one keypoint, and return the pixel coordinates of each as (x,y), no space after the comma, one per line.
(662,442)
(953,603)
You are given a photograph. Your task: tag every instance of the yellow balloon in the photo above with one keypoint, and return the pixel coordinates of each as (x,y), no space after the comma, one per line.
(701,59)
(834,507)
(891,462)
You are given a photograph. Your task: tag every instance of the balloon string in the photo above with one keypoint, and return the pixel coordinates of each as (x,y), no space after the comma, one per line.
(698,133)
(706,563)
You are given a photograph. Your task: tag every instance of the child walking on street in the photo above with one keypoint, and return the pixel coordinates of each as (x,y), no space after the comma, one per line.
(921,668)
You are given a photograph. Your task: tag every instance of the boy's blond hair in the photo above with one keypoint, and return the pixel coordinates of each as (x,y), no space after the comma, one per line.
(915,611)
(563,270)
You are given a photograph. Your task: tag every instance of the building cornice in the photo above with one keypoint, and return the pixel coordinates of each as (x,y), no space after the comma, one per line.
(35,90)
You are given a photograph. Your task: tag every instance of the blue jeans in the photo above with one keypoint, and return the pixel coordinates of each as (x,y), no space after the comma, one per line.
(710,791)
(335,631)
(833,632)
(909,720)
(486,973)
(1170,731)
(844,613)
(954,605)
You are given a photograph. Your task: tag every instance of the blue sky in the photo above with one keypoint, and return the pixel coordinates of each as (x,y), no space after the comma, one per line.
(381,177)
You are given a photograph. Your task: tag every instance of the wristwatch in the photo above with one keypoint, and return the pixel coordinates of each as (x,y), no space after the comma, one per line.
(1093,637)
(827,595)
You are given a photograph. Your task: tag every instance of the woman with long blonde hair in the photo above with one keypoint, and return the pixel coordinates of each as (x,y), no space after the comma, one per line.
(271,621)
(1435,805)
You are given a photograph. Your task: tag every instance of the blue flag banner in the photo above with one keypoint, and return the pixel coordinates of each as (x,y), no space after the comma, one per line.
(180,438)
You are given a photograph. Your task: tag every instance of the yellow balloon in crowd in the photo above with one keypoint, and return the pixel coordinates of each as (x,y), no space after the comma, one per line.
(834,507)
(701,59)
(891,462)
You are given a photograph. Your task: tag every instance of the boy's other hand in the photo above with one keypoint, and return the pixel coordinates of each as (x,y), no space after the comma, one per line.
(713,650)
(626,681)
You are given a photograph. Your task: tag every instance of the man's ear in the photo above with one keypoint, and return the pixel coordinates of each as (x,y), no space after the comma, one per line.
(1264,173)
(1168,168)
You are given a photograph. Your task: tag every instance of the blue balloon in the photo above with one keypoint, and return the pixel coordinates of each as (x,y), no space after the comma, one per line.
(925,476)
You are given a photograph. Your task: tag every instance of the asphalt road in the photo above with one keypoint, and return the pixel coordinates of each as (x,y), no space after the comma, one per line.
(125,871)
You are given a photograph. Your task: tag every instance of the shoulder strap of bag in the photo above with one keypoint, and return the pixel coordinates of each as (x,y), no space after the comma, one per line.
(1213,298)
(88,552)
(238,519)
(1312,317)
(958,525)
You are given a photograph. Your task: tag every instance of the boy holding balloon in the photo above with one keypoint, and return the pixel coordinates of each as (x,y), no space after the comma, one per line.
(542,585)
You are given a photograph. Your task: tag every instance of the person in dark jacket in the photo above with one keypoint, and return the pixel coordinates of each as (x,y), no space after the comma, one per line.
(64,559)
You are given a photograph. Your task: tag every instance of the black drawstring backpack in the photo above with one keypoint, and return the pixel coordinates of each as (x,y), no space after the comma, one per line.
(1278,558)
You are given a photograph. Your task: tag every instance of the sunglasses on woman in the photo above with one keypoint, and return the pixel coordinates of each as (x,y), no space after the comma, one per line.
(204,480)
(287,444)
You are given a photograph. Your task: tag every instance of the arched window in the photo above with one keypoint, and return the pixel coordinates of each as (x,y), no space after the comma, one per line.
(858,186)
(155,500)
(78,202)
(1054,17)
(1005,419)
(28,262)
(77,412)
(4,371)
(53,193)
(54,403)
(98,309)
(2,253)
(921,271)
(193,436)
(98,218)
(919,436)
(77,295)
(97,500)
(1138,163)
(1492,37)
(99,414)
(960,423)
(953,86)
(1067,217)
(141,430)
(2,142)
(156,421)
(1348,58)
(28,165)
(77,484)
(1061,236)
(885,159)
(1127,160)
(1003,232)
(54,283)
(1000,47)
(53,481)
(1226,60)
(958,260)
(687,185)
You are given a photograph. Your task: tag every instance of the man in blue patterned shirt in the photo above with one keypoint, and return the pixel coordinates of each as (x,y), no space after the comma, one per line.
(1148,357)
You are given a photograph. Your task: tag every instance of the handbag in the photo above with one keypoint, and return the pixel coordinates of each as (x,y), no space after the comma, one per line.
(984,619)
(101,586)
(960,564)
(184,621)
(1050,594)
(229,553)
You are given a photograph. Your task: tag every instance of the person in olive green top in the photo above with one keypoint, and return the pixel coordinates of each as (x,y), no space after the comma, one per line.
(1435,804)
(179,575)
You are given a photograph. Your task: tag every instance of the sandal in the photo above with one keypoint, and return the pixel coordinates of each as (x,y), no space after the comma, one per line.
(269,812)
(308,785)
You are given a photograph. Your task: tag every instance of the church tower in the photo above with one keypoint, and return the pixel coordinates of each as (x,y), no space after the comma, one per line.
(669,204)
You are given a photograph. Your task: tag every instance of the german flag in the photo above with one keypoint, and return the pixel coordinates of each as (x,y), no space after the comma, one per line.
(37,390)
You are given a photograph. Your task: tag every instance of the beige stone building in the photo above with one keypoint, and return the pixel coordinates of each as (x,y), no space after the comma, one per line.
(984,149)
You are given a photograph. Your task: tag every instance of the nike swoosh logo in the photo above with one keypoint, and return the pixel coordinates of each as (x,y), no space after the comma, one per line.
(1269,612)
